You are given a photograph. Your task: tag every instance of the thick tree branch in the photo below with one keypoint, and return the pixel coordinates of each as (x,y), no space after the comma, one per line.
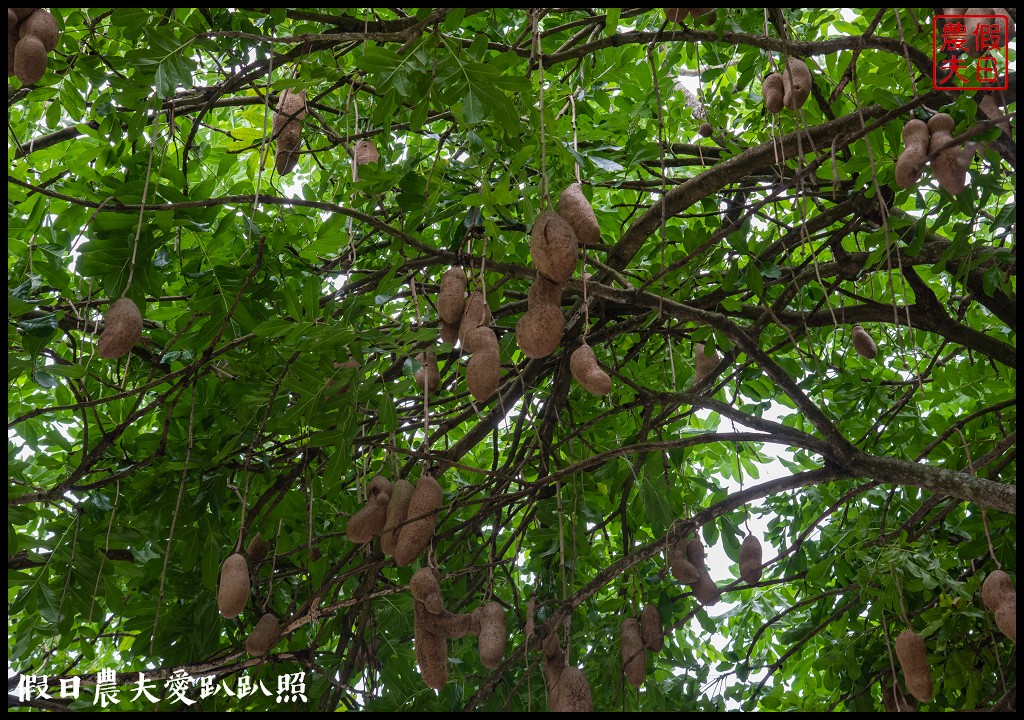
(971,488)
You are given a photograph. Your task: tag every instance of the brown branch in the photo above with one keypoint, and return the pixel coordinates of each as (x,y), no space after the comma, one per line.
(931,320)
(986,493)
(793,47)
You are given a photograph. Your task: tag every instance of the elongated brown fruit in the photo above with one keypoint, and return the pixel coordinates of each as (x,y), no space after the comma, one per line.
(425,586)
(431,656)
(893,700)
(539,331)
(483,373)
(945,165)
(994,38)
(682,569)
(492,633)
(543,292)
(414,536)
(568,689)
(122,329)
(233,590)
(913,657)
(287,129)
(449,332)
(1006,618)
(704,364)
(366,152)
(475,314)
(996,589)
(915,153)
(705,589)
(451,299)
(428,377)
(863,343)
(42,25)
(796,84)
(750,560)
(286,154)
(631,646)
(257,549)
(445,624)
(999,596)
(480,339)
(676,15)
(398,510)
(575,210)
(584,367)
(695,554)
(264,636)
(431,614)
(991,109)
(570,692)
(773,93)
(29,59)
(369,521)
(651,630)
(12,42)
(553,246)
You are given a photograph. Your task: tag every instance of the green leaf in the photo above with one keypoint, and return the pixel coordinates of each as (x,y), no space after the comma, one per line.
(473,106)
(44,378)
(990,281)
(611,22)
(453,20)
(605,164)
(652,488)
(48,604)
(70,371)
